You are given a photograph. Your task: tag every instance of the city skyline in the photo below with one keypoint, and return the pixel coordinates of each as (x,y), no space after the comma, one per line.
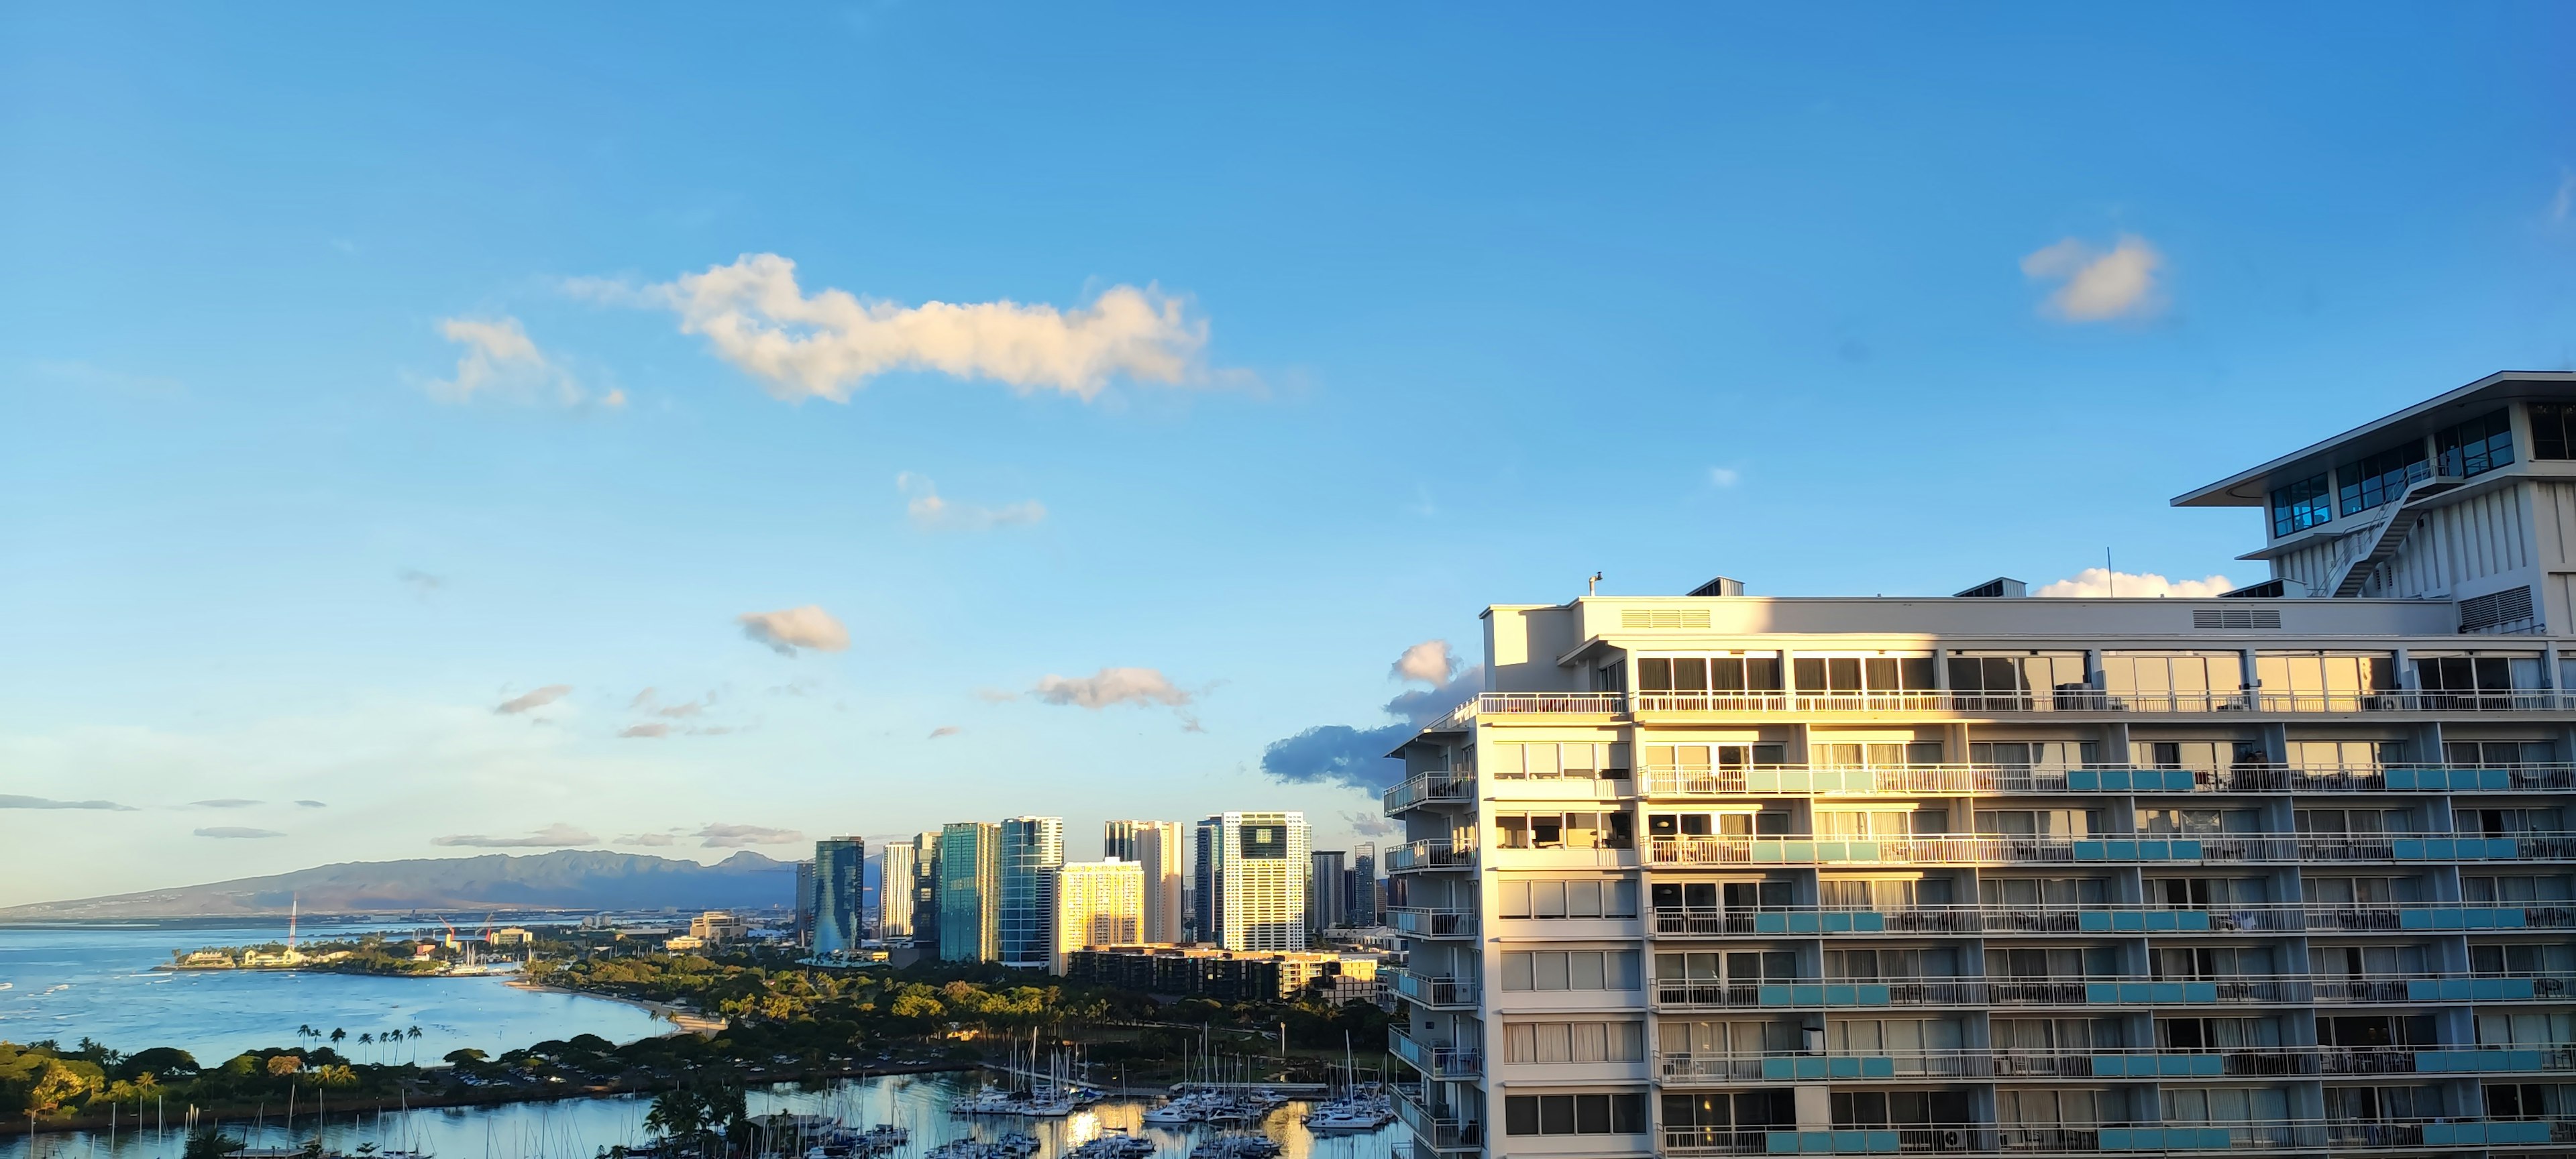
(670,443)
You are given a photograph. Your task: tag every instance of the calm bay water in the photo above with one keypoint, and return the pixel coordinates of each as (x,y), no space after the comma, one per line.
(71,982)
(579,1128)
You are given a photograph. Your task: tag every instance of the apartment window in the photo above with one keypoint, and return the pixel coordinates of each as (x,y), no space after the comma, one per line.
(2060,963)
(2477,446)
(1753,672)
(2553,430)
(1574,1114)
(1570,970)
(2334,755)
(1711,896)
(2382,477)
(2513,888)
(2506,822)
(2473,674)
(1856,674)
(2032,1118)
(2496,754)
(2226,1105)
(2207,892)
(2187,678)
(2301,505)
(1574,1042)
(2205,756)
(2525,1028)
(2353,822)
(1580,830)
(2375,960)
(2198,822)
(2334,682)
(2206,1034)
(1866,1109)
(1887,755)
(1875,965)
(2523,959)
(1883,894)
(1569,899)
(2384,1104)
(2209,963)
(2039,822)
(2026,893)
(2055,1035)
(1737,967)
(1881,824)
(2361,890)
(2369,1030)
(1710,1120)
(2528,1100)
(2019,678)
(1697,759)
(2054,755)
(1578,759)
(1764,824)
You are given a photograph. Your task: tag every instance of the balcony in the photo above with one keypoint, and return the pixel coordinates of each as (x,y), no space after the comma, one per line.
(1430,789)
(1686,994)
(1956,779)
(1989,1139)
(1434,923)
(2444,1060)
(1509,704)
(1448,1062)
(1440,853)
(2270,918)
(2021,849)
(1435,1127)
(2080,701)
(1437,993)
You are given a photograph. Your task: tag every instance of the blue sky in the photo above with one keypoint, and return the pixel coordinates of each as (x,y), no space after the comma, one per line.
(1452,311)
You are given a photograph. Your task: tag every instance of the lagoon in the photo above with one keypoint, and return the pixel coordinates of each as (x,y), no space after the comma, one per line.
(70,982)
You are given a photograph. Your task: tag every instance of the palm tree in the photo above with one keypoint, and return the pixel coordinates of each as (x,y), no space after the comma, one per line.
(415,1042)
(338,1036)
(366,1039)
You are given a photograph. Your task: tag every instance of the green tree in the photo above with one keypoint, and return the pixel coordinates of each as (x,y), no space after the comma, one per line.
(210,1144)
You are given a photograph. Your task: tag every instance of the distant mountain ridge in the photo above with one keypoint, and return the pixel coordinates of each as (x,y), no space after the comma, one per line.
(564,879)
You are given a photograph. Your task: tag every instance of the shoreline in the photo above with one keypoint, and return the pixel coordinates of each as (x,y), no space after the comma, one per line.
(689,1021)
(478,1098)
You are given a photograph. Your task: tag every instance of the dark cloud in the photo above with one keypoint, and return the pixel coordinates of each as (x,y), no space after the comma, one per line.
(14,801)
(313,804)
(1339,754)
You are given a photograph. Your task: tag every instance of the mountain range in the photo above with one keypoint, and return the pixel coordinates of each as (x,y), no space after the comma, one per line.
(570,879)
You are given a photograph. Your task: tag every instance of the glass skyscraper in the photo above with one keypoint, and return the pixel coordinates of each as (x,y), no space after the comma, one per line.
(1032,849)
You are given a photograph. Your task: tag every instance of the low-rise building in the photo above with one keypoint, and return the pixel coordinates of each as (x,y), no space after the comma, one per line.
(685,942)
(716,927)
(1206,972)
(512,936)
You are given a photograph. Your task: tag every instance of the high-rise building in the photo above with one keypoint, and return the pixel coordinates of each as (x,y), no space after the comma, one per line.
(1097,903)
(1032,850)
(1325,899)
(2279,871)
(1156,847)
(895,891)
(803,932)
(1252,875)
(1359,885)
(925,893)
(840,875)
(970,892)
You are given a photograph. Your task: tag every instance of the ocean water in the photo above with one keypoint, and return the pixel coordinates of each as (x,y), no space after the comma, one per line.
(580,1128)
(71,982)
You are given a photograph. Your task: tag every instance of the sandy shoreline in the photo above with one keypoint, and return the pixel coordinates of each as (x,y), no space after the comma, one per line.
(689,1021)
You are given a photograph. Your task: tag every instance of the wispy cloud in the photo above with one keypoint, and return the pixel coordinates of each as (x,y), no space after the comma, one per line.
(649,730)
(654,840)
(16,801)
(225,803)
(312,805)
(945,730)
(829,343)
(2097,285)
(88,376)
(789,629)
(1724,476)
(722,836)
(1144,687)
(420,581)
(2564,201)
(930,512)
(237,833)
(2098,582)
(1368,824)
(536,699)
(501,361)
(555,836)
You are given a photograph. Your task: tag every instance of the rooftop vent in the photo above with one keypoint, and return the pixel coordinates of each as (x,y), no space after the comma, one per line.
(2235,618)
(2505,611)
(1721,586)
(1663,617)
(1999,587)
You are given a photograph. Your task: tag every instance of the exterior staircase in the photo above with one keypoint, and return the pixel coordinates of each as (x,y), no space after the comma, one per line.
(2372,546)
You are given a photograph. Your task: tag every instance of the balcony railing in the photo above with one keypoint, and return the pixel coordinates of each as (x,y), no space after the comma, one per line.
(2373,1060)
(1923,779)
(1430,788)
(2020,849)
(2107,1062)
(2081,700)
(1435,1061)
(1439,1128)
(2283,918)
(1438,853)
(1435,992)
(1565,703)
(2031,1139)
(1433,923)
(2241,990)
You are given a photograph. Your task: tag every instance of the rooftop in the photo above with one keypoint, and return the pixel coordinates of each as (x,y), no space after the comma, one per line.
(2252,487)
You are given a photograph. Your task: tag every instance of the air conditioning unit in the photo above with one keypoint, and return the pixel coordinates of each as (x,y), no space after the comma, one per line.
(1952,1139)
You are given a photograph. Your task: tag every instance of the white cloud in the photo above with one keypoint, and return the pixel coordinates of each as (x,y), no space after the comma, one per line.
(930,512)
(537,699)
(237,832)
(1724,476)
(654,730)
(826,344)
(1370,824)
(721,836)
(787,630)
(501,361)
(1110,686)
(649,839)
(1428,662)
(2098,582)
(945,730)
(555,836)
(2096,286)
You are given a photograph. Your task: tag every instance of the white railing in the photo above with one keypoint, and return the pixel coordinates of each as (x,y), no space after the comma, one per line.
(1867,780)
(1439,853)
(2157,703)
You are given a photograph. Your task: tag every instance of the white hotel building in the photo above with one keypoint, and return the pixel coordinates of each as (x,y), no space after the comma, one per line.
(2283,872)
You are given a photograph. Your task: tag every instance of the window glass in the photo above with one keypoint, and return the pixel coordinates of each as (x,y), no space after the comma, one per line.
(2381,478)
(2553,430)
(2475,447)
(2301,505)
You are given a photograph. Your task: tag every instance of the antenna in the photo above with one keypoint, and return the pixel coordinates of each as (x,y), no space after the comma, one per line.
(2110,576)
